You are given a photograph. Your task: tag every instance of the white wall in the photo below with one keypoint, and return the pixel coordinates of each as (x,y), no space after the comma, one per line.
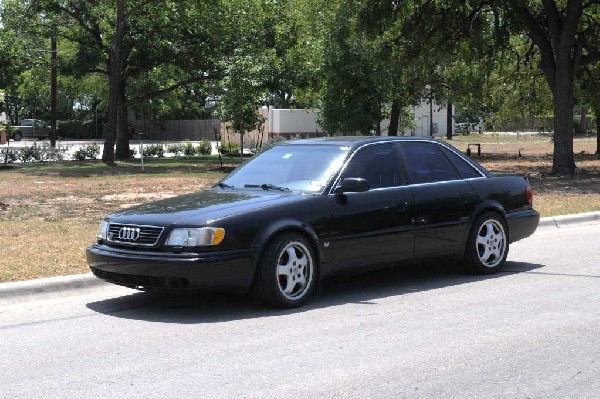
(439,115)
(293,121)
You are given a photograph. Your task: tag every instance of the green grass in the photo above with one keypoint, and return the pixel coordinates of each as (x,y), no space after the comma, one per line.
(49,212)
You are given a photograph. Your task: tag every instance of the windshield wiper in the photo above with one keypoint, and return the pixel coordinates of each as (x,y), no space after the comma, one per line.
(266,186)
(223,185)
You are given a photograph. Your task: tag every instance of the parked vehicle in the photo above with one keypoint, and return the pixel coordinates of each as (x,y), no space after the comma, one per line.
(30,128)
(305,209)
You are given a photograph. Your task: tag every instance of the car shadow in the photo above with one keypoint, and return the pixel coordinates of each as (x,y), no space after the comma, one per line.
(365,288)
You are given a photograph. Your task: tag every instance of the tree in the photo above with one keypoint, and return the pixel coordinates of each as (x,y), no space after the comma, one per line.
(564,33)
(243,90)
(354,90)
(128,41)
(589,89)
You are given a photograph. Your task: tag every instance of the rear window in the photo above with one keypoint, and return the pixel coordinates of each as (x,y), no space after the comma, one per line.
(426,163)
(466,170)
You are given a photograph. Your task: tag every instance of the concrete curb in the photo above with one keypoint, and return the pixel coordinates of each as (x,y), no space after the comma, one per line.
(568,220)
(20,289)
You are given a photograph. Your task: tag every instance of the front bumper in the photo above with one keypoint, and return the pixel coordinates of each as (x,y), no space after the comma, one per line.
(522,224)
(147,270)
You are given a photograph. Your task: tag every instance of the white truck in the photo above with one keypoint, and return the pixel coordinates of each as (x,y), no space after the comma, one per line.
(30,128)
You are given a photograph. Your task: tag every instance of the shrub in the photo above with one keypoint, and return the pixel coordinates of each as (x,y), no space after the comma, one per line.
(175,149)
(90,151)
(227,147)
(32,154)
(188,148)
(154,150)
(8,155)
(205,147)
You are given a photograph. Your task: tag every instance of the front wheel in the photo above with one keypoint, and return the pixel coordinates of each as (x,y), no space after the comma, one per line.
(287,271)
(488,244)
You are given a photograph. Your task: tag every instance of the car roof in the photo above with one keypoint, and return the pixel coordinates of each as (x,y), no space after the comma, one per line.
(355,141)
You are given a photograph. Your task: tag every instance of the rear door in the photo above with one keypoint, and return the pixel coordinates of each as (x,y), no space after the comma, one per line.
(372,227)
(443,200)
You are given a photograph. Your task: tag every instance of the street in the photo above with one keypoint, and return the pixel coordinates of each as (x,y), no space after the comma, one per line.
(531,331)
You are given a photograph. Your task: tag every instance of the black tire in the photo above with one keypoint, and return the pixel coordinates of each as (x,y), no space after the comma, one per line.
(487,245)
(287,271)
(17,136)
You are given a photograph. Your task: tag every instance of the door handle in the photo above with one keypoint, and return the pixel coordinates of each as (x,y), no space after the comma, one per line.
(402,206)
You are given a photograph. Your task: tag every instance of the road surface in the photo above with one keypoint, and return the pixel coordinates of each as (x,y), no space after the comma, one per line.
(531,331)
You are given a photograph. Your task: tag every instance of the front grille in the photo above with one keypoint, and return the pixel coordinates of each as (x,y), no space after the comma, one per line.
(130,234)
(147,282)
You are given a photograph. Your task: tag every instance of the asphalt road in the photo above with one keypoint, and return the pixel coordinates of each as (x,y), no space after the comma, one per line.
(532,331)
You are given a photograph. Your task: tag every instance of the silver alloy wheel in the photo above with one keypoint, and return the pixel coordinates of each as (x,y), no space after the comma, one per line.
(491,243)
(294,270)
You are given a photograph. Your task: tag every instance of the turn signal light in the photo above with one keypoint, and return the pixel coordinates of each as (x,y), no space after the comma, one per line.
(529,195)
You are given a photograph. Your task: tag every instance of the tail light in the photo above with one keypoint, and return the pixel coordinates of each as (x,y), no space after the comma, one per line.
(529,193)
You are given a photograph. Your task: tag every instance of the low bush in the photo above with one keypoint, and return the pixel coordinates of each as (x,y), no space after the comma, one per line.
(154,150)
(188,148)
(32,154)
(175,149)
(8,155)
(90,151)
(205,147)
(227,147)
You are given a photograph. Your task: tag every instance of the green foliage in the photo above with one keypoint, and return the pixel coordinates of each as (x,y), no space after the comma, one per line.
(188,148)
(243,90)
(354,89)
(8,155)
(90,151)
(175,149)
(204,147)
(229,148)
(31,154)
(154,150)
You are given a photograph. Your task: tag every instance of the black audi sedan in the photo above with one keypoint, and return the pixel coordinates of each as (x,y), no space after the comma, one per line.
(305,209)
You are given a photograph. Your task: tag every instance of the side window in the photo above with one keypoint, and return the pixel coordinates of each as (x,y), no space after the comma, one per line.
(27,122)
(464,168)
(426,163)
(375,163)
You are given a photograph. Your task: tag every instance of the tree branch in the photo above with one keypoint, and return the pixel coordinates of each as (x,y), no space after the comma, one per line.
(539,37)
(158,93)
(135,9)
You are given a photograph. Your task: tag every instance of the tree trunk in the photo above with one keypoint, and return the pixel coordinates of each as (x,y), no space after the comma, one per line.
(584,119)
(122,152)
(449,122)
(114,79)
(394,117)
(597,112)
(53,79)
(563,161)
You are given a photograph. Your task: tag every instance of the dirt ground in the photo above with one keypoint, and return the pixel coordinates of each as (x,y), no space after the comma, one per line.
(73,194)
(50,213)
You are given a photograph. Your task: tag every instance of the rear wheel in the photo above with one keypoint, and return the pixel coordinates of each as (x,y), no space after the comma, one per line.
(287,271)
(17,136)
(488,244)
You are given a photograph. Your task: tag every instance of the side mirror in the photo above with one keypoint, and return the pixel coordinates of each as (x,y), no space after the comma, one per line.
(352,185)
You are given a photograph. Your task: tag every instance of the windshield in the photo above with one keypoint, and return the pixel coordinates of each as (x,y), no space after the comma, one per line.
(304,168)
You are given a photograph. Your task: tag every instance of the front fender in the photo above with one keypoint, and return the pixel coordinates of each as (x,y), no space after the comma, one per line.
(292,225)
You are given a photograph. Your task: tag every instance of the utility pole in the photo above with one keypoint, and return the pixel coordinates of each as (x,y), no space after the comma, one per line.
(53,74)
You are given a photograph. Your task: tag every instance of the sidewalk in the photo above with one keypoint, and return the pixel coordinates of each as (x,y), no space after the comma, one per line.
(21,289)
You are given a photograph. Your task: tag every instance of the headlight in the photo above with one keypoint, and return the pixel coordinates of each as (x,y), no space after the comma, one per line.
(196,237)
(102,230)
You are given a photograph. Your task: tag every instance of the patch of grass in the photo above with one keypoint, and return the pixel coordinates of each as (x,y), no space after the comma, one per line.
(34,249)
(49,212)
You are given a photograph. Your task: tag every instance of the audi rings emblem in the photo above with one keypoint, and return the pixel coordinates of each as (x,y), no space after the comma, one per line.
(129,233)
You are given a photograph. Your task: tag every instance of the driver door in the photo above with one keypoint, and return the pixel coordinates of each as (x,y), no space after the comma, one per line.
(372,227)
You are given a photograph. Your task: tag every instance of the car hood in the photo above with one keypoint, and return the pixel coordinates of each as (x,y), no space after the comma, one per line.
(200,208)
